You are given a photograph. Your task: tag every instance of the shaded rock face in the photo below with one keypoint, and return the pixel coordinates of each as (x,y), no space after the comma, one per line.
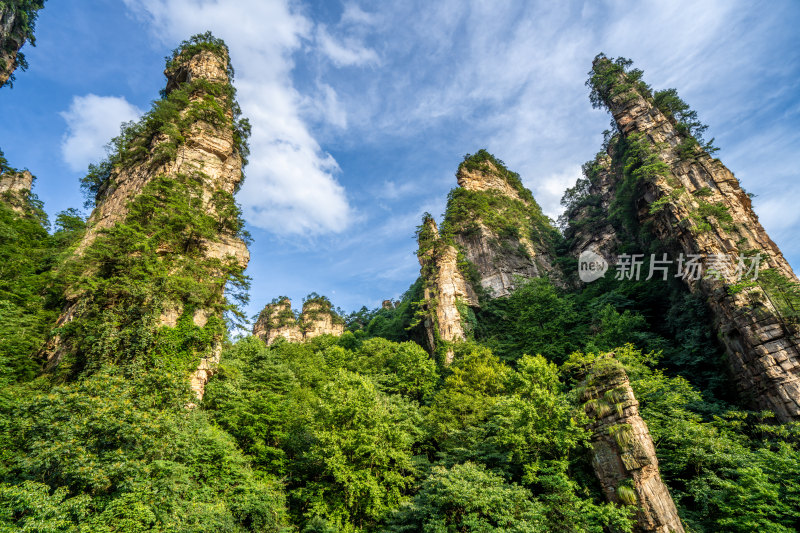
(278,320)
(763,347)
(500,254)
(445,290)
(595,233)
(15,188)
(499,261)
(624,457)
(208,156)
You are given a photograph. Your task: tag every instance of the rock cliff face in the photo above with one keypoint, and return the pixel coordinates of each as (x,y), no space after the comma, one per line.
(447,294)
(15,187)
(183,169)
(278,320)
(624,457)
(692,204)
(498,226)
(589,228)
(16,27)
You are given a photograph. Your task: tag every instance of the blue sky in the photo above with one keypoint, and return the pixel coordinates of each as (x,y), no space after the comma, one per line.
(362,111)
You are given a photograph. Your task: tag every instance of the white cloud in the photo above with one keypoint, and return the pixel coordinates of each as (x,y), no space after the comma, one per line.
(325,107)
(353,14)
(291,185)
(92,121)
(345,52)
(548,191)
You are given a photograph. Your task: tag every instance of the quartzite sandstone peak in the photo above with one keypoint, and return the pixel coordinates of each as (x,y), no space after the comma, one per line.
(493,233)
(195,153)
(15,188)
(762,346)
(447,294)
(623,454)
(498,225)
(278,320)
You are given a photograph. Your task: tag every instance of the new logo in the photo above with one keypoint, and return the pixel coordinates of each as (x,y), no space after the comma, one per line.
(591,266)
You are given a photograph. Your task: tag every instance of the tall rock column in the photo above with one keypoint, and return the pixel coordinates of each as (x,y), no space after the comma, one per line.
(447,294)
(624,457)
(164,238)
(695,206)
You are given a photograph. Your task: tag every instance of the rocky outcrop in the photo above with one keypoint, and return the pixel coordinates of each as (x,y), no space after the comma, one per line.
(318,319)
(15,182)
(498,226)
(208,153)
(493,234)
(16,27)
(694,205)
(447,295)
(278,320)
(15,188)
(624,457)
(198,151)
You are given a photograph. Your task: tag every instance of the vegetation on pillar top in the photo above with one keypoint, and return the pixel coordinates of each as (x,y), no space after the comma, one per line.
(613,83)
(156,137)
(509,218)
(196,44)
(483,161)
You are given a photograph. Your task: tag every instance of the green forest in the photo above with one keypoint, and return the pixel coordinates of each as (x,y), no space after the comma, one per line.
(370,430)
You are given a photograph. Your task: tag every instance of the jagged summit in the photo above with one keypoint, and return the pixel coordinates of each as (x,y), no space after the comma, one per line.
(497,225)
(481,171)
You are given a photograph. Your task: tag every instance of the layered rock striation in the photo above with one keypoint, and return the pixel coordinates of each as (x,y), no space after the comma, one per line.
(493,235)
(447,294)
(623,454)
(681,201)
(277,320)
(164,199)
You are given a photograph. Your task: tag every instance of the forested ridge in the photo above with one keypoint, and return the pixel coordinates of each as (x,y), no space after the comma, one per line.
(370,430)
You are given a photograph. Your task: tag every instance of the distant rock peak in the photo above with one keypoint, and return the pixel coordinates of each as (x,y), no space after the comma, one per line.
(278,320)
